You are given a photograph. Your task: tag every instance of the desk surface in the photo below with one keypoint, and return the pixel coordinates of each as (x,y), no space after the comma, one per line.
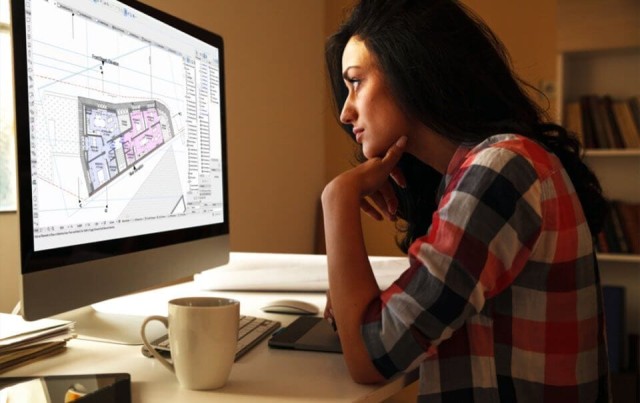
(262,375)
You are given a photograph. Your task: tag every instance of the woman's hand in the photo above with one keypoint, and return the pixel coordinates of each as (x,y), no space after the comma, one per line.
(328,312)
(384,199)
(370,182)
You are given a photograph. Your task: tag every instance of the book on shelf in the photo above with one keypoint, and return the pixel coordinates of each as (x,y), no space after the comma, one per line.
(608,241)
(629,215)
(601,242)
(22,342)
(618,233)
(588,125)
(621,229)
(628,127)
(603,122)
(614,312)
(634,104)
(634,352)
(612,129)
(573,120)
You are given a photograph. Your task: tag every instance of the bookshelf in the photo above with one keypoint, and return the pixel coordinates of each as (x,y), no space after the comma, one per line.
(615,73)
(599,54)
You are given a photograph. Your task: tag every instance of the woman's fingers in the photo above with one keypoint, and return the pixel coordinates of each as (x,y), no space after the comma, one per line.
(394,153)
(384,197)
(371,181)
(369,210)
(386,201)
(328,312)
(398,177)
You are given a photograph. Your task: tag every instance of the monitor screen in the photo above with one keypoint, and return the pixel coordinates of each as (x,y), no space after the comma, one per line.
(121,150)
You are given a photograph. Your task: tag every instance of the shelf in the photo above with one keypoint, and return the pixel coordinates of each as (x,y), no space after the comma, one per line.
(595,152)
(618,257)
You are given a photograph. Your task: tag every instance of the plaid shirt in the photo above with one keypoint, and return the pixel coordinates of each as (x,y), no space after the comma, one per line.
(502,301)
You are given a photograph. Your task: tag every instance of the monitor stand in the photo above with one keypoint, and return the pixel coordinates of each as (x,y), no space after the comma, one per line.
(108,327)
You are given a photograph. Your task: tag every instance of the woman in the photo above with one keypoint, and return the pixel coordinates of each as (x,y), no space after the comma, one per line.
(502,299)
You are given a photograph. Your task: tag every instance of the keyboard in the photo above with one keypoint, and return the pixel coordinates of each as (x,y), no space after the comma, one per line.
(251,331)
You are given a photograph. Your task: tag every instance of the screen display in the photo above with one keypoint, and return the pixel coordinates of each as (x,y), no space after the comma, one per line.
(124,124)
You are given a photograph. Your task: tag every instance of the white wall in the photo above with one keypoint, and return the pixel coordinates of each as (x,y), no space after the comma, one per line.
(275,93)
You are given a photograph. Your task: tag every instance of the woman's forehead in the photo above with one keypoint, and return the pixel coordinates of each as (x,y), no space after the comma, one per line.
(355,54)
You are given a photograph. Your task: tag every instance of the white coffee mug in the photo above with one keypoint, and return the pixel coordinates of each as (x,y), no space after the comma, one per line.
(203,334)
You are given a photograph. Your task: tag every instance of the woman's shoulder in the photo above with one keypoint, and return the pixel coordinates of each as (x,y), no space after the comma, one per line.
(505,149)
(516,143)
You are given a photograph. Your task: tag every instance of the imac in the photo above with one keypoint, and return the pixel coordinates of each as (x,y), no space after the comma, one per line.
(121,150)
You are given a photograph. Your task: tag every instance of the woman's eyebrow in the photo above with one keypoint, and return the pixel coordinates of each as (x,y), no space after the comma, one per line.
(345,74)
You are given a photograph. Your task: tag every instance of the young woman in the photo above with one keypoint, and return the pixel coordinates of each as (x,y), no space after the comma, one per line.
(501,300)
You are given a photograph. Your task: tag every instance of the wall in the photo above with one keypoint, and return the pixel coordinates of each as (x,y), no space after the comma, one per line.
(275,87)
(528,30)
(597,24)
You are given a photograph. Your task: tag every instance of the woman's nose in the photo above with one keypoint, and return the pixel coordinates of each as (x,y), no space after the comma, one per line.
(348,113)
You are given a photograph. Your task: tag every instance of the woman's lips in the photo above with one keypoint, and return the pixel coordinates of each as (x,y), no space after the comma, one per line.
(358,132)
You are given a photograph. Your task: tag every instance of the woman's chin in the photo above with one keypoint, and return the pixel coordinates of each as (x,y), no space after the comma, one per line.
(369,153)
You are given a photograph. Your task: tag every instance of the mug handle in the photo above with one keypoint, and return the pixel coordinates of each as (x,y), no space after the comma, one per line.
(165,321)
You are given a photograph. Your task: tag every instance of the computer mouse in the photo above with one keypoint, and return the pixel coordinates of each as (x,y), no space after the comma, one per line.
(290,306)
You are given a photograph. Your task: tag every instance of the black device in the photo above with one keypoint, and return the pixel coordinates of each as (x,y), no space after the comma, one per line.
(94,388)
(309,333)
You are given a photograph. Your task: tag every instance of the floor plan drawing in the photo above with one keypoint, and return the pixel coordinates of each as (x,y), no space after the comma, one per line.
(115,138)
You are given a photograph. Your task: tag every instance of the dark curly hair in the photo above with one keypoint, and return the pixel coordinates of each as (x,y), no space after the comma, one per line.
(448,69)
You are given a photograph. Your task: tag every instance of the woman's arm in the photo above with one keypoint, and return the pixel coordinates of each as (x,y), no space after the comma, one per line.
(352,284)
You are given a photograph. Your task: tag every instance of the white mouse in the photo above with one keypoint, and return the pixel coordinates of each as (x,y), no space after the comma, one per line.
(290,306)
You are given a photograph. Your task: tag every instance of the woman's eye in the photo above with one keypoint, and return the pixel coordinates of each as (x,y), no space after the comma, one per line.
(355,82)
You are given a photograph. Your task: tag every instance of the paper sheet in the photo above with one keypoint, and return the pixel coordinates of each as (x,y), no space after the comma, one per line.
(287,272)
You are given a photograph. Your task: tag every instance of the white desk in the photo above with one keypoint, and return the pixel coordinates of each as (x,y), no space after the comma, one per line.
(262,375)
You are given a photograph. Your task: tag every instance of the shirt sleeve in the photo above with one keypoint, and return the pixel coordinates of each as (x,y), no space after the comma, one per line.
(482,234)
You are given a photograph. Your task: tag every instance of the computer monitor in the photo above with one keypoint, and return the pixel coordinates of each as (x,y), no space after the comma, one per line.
(121,150)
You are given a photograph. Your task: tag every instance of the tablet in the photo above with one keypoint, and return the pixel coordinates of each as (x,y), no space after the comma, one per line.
(90,388)
(309,333)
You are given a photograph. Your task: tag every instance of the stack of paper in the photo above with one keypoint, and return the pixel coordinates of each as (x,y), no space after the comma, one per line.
(22,342)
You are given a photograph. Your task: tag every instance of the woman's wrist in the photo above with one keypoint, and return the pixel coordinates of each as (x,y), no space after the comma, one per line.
(340,191)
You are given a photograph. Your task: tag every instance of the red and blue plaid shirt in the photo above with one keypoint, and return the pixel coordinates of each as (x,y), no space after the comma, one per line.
(502,301)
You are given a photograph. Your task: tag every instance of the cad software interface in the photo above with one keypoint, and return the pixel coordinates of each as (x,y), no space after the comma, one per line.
(125,124)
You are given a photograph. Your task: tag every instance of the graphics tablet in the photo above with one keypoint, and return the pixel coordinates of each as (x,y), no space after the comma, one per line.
(309,333)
